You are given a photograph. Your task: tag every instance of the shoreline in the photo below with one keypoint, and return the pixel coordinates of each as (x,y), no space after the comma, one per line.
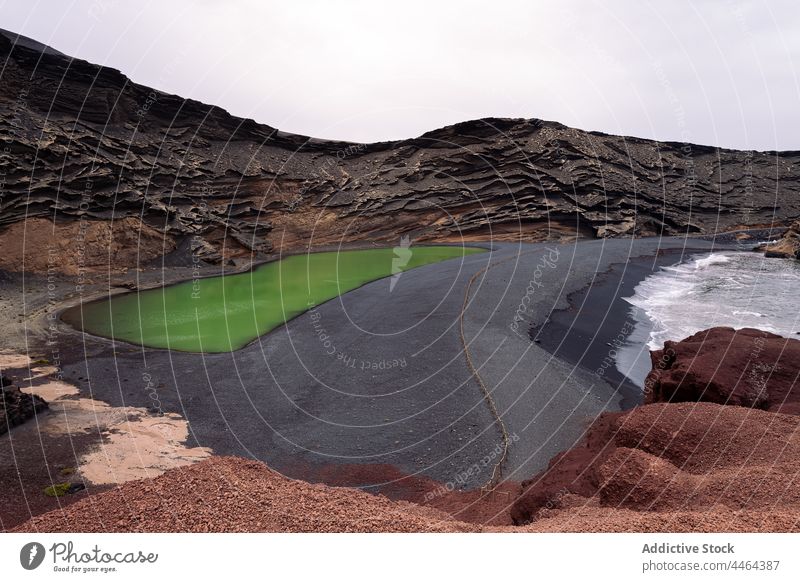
(308,417)
(598,323)
(282,387)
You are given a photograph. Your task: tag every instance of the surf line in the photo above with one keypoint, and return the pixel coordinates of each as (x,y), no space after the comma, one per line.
(497,470)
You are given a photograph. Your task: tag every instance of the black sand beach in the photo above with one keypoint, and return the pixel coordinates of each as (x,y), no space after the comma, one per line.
(598,321)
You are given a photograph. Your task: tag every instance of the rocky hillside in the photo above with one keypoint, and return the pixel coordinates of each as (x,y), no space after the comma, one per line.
(787,246)
(84,143)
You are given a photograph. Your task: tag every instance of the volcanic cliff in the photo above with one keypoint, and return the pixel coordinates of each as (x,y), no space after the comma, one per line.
(112,162)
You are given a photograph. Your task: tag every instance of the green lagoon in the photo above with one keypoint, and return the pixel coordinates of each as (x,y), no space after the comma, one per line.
(225,313)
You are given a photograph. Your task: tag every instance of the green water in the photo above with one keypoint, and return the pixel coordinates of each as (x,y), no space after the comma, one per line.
(225,313)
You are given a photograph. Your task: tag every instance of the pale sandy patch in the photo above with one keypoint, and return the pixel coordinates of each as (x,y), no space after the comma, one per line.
(52,392)
(10,360)
(136,445)
(41,372)
(142,446)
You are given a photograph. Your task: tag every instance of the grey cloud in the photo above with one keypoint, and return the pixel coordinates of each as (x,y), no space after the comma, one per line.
(721,73)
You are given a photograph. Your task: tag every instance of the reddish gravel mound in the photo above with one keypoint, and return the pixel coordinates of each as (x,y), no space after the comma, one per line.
(472,506)
(225,494)
(657,464)
(587,519)
(746,367)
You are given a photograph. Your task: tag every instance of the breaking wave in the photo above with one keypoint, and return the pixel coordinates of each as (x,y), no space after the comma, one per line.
(732,289)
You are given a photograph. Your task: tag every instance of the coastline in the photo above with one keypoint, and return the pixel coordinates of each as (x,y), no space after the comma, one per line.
(282,400)
(598,322)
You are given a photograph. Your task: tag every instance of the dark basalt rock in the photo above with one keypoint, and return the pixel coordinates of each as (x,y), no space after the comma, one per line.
(746,367)
(15,406)
(87,142)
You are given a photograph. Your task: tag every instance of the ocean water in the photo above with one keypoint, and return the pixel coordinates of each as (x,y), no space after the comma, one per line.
(733,289)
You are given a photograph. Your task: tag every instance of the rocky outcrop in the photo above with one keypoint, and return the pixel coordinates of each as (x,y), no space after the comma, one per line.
(15,406)
(787,246)
(706,449)
(746,367)
(665,462)
(696,446)
(87,143)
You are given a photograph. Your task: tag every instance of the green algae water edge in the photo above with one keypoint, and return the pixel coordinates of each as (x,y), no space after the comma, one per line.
(225,313)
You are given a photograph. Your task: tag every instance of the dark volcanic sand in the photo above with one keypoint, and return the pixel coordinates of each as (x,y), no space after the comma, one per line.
(399,431)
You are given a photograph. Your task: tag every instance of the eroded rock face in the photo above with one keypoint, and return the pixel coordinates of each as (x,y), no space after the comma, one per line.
(746,367)
(84,141)
(787,247)
(74,246)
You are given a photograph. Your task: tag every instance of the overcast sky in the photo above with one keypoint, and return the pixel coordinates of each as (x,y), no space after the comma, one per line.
(714,72)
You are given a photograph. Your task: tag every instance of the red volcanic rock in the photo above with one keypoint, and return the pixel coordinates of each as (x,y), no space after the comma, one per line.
(746,367)
(658,465)
(684,461)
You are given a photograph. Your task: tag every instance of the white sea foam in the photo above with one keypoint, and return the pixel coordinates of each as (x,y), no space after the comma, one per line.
(753,313)
(733,289)
(710,260)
